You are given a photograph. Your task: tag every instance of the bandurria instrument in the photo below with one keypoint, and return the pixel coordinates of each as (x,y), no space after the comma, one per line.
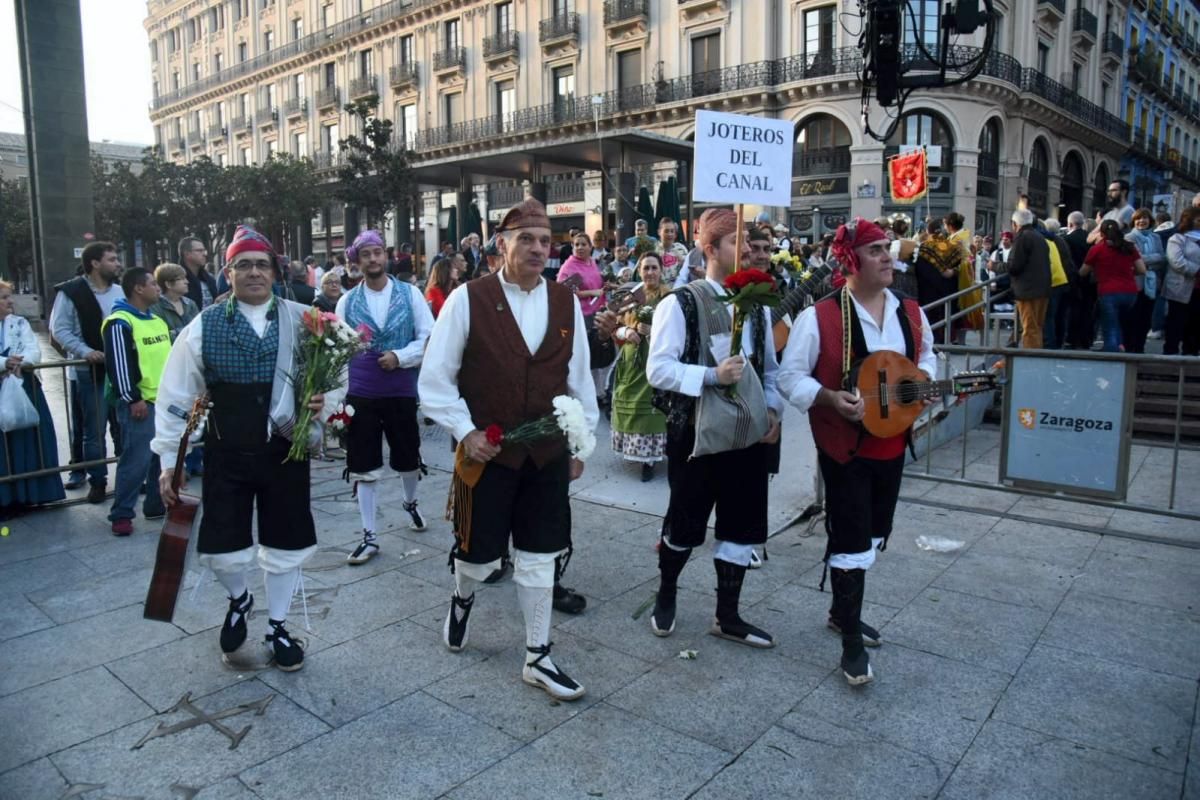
(893,388)
(176,530)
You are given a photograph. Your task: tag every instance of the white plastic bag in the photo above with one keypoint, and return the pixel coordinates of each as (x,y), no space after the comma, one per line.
(939,544)
(16,409)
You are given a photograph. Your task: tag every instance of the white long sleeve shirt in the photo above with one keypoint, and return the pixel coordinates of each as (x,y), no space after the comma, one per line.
(377,304)
(438,384)
(665,369)
(796,381)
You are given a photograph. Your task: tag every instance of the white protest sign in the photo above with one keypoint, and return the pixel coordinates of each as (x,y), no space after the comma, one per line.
(742,159)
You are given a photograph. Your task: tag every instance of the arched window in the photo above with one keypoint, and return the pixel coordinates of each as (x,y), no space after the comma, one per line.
(1073,182)
(989,150)
(922,128)
(1039,165)
(822,147)
(1100,188)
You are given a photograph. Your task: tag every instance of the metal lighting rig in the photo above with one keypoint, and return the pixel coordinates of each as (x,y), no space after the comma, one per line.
(897,58)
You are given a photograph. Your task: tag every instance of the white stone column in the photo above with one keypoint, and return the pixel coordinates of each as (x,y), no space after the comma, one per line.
(429,225)
(593,198)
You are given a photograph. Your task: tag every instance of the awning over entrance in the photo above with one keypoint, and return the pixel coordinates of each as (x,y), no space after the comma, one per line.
(619,150)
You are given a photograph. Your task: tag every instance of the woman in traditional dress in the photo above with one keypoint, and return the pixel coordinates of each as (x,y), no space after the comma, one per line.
(28,449)
(639,430)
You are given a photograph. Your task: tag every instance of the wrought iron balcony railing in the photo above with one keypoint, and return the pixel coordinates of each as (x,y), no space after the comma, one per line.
(500,44)
(1113,44)
(403,75)
(295,106)
(327,97)
(1085,22)
(623,10)
(363,85)
(560,26)
(450,58)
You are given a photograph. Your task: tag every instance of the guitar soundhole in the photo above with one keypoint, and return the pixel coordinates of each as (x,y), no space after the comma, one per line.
(906,392)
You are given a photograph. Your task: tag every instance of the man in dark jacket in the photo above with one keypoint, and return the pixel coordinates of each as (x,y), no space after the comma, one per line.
(301,291)
(202,286)
(1029,270)
(1081,302)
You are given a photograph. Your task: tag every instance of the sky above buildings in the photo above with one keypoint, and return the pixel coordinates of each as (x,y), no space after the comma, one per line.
(116,71)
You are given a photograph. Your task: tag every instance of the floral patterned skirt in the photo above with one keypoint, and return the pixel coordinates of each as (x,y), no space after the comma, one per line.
(643,448)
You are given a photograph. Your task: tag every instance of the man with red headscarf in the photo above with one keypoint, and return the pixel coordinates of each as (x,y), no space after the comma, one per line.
(861,472)
(732,481)
(241,352)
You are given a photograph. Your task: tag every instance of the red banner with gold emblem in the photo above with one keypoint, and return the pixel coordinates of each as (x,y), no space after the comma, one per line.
(908,175)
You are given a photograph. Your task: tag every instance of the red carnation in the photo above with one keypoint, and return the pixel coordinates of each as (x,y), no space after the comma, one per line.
(743,278)
(494,434)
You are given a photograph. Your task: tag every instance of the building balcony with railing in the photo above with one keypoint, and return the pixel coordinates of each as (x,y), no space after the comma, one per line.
(756,77)
(559,28)
(240,124)
(1113,46)
(266,116)
(217,131)
(403,76)
(327,97)
(820,161)
(452,58)
(625,12)
(1085,23)
(175,144)
(500,45)
(363,86)
(1052,9)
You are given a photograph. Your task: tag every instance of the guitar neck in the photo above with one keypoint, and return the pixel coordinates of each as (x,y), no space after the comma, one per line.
(177,475)
(791,304)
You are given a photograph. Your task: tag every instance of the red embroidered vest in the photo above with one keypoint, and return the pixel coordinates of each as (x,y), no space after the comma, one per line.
(836,436)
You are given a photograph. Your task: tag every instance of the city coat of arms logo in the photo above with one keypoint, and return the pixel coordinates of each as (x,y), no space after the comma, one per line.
(1027,417)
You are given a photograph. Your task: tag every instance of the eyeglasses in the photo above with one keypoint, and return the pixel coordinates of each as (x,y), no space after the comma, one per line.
(244,267)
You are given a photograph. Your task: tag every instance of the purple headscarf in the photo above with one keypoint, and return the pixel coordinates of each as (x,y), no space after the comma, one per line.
(367,238)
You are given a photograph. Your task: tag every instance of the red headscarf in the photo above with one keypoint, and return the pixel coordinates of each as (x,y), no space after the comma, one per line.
(851,236)
(248,240)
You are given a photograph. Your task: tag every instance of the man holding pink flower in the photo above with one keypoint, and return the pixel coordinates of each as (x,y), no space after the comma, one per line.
(394,322)
(242,353)
(508,352)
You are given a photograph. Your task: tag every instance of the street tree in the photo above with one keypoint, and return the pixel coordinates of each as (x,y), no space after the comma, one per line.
(375,174)
(16,234)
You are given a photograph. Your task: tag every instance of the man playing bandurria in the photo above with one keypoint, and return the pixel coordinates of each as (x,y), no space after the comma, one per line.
(861,472)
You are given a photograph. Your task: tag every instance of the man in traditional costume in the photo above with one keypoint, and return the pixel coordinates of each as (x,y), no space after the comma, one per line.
(503,348)
(383,385)
(861,472)
(733,481)
(241,352)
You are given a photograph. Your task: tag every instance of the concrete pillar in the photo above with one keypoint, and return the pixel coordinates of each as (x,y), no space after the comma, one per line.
(966,183)
(50,44)
(349,226)
(866,164)
(593,201)
(626,204)
(537,190)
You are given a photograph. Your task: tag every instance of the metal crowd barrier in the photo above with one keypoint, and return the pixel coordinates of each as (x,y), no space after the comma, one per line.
(1179,363)
(65,425)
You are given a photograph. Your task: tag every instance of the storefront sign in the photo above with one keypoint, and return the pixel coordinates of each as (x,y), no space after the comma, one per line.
(570,209)
(1066,425)
(821,187)
(743,159)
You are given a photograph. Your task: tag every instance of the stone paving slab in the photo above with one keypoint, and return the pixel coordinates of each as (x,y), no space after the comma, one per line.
(70,710)
(603,752)
(919,701)
(1103,704)
(417,747)
(804,756)
(196,757)
(1069,653)
(1006,762)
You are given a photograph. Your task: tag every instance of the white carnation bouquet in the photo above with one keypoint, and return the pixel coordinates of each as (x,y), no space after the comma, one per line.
(567,420)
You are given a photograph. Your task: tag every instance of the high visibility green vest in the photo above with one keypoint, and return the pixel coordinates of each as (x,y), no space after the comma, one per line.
(152,341)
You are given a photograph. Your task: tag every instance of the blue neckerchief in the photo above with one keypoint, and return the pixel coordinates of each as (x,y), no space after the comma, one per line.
(400,328)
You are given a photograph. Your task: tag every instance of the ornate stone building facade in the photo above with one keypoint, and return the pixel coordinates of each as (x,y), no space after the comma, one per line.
(521,92)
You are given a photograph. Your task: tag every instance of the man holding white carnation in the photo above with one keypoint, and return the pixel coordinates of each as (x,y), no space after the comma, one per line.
(395,322)
(508,350)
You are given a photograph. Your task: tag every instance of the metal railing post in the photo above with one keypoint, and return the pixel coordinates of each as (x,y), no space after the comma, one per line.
(1175,447)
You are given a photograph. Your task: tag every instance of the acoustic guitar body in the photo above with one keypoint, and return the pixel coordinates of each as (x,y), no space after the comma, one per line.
(169,562)
(890,386)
